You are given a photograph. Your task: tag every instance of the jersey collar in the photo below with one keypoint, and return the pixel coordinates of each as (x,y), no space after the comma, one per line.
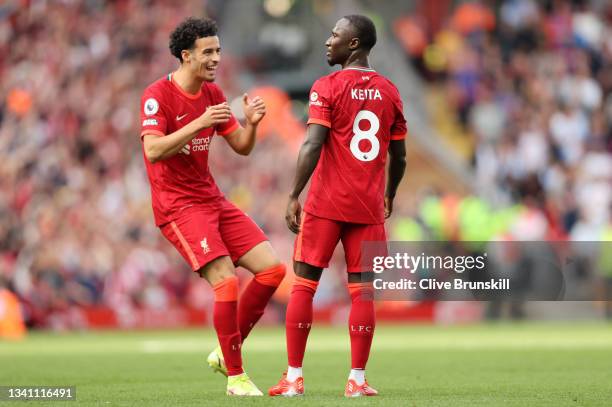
(186,94)
(360,68)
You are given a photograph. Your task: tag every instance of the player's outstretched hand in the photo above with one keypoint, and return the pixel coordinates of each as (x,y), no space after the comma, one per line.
(293,215)
(388,207)
(254,109)
(215,115)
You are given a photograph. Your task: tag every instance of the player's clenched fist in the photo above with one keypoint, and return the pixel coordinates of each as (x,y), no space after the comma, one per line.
(215,115)
(254,109)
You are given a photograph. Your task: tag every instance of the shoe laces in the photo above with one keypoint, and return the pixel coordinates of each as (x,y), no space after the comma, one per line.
(244,379)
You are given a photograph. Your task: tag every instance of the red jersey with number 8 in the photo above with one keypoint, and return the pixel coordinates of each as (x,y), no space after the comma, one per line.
(364,112)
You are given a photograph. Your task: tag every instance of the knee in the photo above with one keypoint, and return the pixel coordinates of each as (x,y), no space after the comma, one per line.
(218,270)
(272,276)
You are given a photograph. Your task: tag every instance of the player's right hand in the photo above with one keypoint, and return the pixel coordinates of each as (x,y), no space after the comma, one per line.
(215,115)
(293,215)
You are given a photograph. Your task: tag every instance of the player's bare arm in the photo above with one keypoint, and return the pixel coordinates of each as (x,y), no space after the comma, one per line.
(307,162)
(242,140)
(397,166)
(159,148)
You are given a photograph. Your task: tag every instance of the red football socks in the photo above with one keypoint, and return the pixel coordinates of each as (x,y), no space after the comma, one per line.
(255,297)
(299,319)
(225,321)
(361,323)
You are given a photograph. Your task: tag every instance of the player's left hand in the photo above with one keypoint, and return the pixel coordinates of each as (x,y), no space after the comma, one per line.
(293,215)
(254,109)
(388,206)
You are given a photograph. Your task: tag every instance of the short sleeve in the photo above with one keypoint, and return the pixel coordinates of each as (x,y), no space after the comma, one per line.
(232,124)
(319,110)
(152,114)
(399,128)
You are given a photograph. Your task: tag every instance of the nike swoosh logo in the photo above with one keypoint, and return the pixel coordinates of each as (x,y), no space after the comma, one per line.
(178,118)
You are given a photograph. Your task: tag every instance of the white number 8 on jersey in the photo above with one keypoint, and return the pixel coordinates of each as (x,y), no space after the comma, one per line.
(369,135)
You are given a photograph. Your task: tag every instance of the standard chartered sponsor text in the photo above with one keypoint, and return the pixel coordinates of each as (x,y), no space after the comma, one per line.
(200,144)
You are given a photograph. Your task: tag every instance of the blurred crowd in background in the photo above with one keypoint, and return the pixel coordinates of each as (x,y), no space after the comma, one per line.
(526,84)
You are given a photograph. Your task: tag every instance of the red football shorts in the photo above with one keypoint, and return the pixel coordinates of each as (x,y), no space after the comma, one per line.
(202,236)
(318,237)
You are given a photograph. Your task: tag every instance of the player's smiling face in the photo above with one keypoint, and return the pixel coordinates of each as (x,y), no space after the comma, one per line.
(204,58)
(338,44)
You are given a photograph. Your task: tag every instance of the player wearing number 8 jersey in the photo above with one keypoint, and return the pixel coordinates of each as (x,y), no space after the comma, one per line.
(355,119)
(362,111)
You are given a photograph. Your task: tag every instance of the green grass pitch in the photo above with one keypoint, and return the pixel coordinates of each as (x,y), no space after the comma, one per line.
(482,365)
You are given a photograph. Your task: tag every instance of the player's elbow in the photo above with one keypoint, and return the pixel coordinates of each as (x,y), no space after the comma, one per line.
(245,150)
(397,164)
(151,148)
(152,154)
(311,147)
(397,156)
(399,160)
(153,159)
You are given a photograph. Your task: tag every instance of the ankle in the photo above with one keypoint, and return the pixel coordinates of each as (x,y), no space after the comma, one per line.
(293,373)
(358,375)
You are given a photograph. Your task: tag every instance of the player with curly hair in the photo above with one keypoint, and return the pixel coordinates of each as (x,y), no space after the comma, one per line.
(180,114)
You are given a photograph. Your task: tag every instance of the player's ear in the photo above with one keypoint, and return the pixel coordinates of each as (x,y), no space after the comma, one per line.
(186,55)
(354,44)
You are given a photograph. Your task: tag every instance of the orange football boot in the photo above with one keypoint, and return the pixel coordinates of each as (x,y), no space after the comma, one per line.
(352,389)
(286,388)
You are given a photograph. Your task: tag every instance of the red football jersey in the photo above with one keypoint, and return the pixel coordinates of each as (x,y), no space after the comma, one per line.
(363,111)
(182,182)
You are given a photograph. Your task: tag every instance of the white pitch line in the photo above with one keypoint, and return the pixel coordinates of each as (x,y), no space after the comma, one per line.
(386,344)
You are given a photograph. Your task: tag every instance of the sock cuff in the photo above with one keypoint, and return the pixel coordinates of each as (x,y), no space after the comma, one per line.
(272,276)
(352,287)
(226,290)
(304,282)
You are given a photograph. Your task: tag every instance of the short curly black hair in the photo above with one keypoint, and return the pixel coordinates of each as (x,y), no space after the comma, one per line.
(185,35)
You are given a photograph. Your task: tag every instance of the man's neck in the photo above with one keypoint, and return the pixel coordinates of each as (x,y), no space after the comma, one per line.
(187,81)
(357,60)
